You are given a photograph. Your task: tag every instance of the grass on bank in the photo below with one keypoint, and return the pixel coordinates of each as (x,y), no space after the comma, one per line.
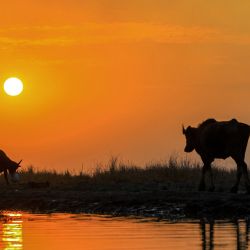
(173,175)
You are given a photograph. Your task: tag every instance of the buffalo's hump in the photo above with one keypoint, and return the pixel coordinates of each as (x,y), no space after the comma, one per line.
(221,138)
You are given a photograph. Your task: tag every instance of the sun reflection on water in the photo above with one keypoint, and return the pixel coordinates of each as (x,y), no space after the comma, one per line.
(12,237)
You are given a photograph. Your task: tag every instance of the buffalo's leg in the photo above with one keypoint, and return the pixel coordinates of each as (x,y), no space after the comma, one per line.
(211,188)
(202,185)
(6,176)
(206,167)
(246,177)
(241,170)
(234,189)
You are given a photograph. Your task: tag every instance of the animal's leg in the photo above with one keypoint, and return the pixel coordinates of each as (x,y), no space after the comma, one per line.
(202,185)
(241,170)
(245,175)
(6,176)
(211,188)
(234,189)
(206,167)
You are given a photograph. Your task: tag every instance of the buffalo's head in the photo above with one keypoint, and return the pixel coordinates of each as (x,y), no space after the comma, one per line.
(190,134)
(13,171)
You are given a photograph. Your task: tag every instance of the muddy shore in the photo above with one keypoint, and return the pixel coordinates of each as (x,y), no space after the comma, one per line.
(159,204)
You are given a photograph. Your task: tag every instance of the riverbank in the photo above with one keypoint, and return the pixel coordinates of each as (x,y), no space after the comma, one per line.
(165,190)
(161,205)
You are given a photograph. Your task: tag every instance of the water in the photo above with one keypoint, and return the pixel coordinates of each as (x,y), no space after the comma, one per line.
(66,231)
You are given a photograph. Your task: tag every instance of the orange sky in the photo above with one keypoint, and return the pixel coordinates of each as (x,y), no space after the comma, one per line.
(108,77)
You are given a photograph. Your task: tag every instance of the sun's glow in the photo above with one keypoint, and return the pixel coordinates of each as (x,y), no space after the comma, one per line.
(13,86)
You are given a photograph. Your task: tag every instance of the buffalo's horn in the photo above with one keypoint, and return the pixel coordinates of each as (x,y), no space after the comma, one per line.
(183,130)
(19,162)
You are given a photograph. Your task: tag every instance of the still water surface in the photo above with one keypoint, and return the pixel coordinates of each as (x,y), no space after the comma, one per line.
(67,231)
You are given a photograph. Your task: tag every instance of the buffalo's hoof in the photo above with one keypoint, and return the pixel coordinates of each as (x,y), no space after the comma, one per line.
(234,189)
(211,189)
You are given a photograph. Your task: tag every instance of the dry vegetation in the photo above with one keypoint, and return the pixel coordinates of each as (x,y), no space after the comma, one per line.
(174,174)
(163,190)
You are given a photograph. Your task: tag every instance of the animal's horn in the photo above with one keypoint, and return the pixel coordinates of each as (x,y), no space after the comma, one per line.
(183,130)
(19,162)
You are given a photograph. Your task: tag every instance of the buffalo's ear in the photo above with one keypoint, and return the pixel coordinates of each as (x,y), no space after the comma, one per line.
(19,163)
(183,130)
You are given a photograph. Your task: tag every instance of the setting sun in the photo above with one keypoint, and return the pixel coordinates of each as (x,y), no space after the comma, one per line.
(13,86)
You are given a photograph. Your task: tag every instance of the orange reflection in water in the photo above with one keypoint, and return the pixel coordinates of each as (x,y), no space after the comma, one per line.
(12,236)
(74,232)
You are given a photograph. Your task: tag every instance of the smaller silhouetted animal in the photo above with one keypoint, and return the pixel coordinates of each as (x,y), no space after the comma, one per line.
(213,139)
(7,165)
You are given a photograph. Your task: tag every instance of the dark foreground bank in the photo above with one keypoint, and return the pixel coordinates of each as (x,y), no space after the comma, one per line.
(161,205)
(166,190)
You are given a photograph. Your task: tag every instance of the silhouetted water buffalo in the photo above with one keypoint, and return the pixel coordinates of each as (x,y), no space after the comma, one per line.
(213,139)
(7,165)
